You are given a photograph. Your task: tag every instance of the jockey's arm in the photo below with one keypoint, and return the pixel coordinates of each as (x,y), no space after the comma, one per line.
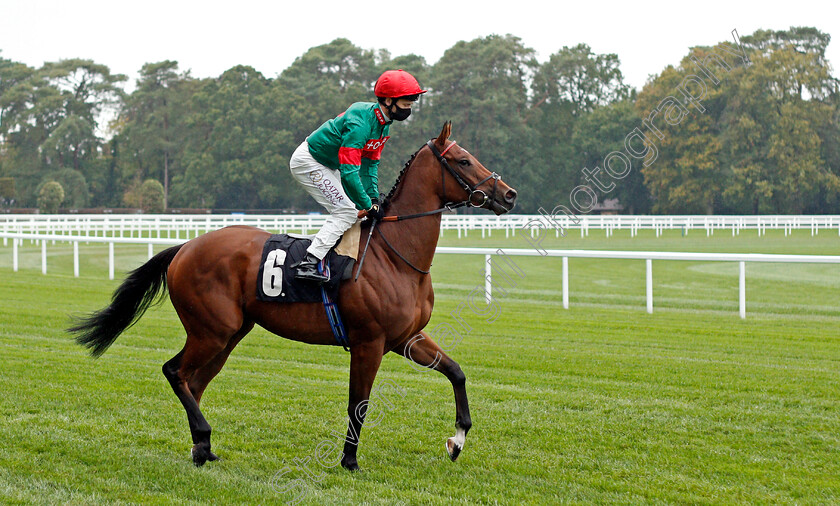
(350,164)
(369,176)
(353,186)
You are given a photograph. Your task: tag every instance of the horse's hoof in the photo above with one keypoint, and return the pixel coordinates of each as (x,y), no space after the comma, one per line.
(453,449)
(201,453)
(350,465)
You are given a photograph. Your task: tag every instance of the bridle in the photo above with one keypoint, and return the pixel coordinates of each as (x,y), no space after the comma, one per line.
(472,191)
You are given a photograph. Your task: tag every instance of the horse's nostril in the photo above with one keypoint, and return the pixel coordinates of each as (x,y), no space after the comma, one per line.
(510,196)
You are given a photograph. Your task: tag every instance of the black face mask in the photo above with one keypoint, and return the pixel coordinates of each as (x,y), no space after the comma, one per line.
(397,113)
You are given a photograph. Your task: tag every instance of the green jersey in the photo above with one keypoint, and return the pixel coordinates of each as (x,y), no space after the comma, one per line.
(352,143)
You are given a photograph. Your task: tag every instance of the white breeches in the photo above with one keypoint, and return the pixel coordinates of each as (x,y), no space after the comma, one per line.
(324,184)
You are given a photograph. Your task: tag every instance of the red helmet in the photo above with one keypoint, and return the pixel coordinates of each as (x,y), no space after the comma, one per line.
(395,84)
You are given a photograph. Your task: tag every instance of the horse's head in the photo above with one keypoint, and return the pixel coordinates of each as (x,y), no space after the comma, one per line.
(465,179)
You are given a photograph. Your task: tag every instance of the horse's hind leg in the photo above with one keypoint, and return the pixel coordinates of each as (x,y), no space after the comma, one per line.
(179,371)
(204,375)
(422,351)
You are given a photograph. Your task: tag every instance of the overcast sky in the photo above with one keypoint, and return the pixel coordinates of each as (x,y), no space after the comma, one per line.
(210,36)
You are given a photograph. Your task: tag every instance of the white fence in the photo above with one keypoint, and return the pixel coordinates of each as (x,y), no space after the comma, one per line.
(188,226)
(647,256)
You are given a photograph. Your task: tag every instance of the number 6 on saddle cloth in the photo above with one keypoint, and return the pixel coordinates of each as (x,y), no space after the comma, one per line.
(276,281)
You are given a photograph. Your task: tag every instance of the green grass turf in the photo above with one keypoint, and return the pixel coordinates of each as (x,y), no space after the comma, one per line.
(598,403)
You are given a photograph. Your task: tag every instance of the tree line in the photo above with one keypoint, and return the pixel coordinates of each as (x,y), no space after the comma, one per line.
(761,135)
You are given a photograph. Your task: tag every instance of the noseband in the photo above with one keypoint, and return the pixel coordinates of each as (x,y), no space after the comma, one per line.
(473,190)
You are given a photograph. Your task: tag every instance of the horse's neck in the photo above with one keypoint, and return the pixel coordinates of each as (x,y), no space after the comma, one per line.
(416,239)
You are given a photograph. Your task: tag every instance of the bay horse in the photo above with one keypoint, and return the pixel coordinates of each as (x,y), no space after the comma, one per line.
(212,283)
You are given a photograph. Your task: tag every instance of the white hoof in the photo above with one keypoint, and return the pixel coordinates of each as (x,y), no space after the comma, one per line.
(455,444)
(453,449)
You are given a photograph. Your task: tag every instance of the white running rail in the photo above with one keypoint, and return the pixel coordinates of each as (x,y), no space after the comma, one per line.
(177,226)
(489,254)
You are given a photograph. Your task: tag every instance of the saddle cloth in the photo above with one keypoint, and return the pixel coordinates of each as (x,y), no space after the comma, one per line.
(276,281)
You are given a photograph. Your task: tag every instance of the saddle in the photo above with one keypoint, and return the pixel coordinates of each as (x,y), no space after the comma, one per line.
(276,281)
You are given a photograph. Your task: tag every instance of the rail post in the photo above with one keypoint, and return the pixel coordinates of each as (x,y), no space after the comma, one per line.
(488,283)
(110,260)
(565,282)
(742,289)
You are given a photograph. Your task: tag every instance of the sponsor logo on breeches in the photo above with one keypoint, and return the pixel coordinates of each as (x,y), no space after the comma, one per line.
(328,189)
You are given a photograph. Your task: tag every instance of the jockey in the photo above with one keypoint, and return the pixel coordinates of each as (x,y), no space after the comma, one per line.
(338,163)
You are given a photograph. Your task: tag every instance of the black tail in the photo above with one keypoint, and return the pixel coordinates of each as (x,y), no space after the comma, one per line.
(141,287)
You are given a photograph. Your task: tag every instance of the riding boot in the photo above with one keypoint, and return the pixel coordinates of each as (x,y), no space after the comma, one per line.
(307,269)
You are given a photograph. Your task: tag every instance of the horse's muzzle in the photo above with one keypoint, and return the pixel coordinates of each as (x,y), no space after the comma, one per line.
(510,197)
(505,203)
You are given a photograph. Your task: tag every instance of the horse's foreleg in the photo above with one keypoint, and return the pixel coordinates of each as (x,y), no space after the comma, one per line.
(422,351)
(364,363)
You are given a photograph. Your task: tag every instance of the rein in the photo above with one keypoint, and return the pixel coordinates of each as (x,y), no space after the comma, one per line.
(448,206)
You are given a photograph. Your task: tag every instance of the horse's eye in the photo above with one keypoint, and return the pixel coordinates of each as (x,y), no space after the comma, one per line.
(463,162)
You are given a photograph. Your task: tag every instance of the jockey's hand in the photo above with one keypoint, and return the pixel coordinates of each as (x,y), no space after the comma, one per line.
(375,212)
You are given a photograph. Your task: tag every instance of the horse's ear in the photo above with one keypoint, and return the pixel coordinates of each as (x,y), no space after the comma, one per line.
(444,133)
